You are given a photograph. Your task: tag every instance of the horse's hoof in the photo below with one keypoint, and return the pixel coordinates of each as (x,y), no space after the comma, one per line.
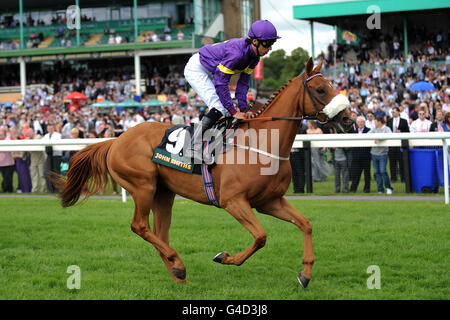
(303,280)
(220,256)
(179,274)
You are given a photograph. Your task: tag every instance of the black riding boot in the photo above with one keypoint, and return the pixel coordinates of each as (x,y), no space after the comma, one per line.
(197,142)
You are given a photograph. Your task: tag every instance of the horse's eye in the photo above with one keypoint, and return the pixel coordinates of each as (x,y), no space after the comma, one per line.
(320,91)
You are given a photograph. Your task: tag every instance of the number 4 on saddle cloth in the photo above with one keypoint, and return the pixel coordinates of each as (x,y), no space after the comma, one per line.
(171,152)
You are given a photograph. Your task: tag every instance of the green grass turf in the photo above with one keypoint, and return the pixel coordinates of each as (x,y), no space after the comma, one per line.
(39,240)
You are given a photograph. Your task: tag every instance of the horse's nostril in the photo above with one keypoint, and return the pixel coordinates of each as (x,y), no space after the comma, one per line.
(348,120)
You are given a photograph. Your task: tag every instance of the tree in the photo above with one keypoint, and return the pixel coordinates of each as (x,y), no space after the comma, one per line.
(295,64)
(273,65)
(279,68)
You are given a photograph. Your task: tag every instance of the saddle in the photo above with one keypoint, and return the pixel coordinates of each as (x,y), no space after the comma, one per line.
(171,151)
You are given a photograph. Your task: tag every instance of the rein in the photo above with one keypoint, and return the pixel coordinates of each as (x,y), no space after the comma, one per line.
(277,118)
(313,98)
(267,154)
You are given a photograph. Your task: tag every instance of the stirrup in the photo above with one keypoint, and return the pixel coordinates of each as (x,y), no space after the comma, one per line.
(208,159)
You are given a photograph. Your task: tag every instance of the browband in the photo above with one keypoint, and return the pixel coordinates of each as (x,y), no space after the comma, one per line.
(312,77)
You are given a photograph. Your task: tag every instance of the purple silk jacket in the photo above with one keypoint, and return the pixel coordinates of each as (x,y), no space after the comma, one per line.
(225,59)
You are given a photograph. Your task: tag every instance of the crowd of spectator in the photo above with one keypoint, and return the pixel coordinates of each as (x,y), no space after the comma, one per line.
(378,87)
(29,21)
(43,115)
(35,39)
(380,101)
(152,36)
(66,35)
(389,46)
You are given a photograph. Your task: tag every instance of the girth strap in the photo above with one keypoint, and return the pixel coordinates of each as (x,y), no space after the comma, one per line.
(207,180)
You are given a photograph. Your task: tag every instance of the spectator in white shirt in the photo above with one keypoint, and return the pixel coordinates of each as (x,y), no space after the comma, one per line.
(446,104)
(37,126)
(67,128)
(422,124)
(118,39)
(404,112)
(370,122)
(53,162)
(137,119)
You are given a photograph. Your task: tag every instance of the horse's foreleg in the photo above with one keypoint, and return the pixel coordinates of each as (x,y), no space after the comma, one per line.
(282,209)
(242,212)
(162,216)
(143,200)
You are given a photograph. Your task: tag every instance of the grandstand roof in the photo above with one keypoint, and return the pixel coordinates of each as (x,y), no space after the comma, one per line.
(321,11)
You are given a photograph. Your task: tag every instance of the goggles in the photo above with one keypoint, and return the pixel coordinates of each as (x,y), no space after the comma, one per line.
(267,43)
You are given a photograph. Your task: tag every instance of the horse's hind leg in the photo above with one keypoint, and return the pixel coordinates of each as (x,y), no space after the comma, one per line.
(143,200)
(162,216)
(240,209)
(139,175)
(282,209)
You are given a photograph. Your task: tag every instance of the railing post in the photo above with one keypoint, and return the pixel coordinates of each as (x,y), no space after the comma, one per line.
(49,152)
(308,168)
(49,168)
(445,165)
(406,167)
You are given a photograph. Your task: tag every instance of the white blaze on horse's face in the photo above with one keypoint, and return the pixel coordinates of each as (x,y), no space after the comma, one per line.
(336,105)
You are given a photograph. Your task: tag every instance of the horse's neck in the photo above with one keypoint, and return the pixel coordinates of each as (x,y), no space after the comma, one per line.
(285,104)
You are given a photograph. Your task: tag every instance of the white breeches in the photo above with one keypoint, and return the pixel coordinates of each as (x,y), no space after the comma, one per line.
(202,81)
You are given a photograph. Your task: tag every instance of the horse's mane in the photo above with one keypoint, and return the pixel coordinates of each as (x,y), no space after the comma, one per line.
(259,108)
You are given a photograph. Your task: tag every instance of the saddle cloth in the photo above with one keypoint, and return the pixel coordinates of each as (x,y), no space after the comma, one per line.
(176,140)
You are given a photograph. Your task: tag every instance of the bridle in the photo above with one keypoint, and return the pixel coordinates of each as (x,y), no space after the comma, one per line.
(315,101)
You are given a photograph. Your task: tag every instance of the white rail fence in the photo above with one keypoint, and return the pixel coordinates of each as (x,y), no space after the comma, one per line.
(61,145)
(441,139)
(421,139)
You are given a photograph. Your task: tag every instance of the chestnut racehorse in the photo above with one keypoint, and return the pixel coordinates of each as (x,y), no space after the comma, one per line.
(238,187)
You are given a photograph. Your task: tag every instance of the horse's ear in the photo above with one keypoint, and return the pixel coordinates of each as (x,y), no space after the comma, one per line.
(318,67)
(309,66)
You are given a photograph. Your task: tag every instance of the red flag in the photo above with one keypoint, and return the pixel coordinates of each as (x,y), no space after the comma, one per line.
(257,73)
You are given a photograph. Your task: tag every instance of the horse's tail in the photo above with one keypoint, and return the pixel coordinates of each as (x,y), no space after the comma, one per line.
(87,172)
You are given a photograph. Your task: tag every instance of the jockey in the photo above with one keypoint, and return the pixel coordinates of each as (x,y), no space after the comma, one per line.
(209,72)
